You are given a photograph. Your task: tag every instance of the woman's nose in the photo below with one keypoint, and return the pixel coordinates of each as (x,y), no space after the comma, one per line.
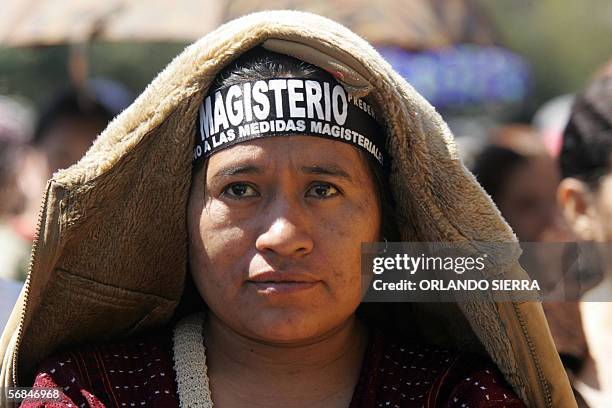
(287,234)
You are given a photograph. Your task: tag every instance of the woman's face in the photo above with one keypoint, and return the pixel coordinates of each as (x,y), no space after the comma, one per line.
(528,199)
(276,227)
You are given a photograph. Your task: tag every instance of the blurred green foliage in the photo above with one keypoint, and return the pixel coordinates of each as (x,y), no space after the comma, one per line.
(565,41)
(36,72)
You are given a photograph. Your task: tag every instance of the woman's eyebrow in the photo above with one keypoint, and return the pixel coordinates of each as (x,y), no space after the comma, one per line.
(233,170)
(328,170)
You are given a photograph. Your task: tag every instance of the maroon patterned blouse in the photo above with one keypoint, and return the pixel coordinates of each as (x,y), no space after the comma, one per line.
(394,374)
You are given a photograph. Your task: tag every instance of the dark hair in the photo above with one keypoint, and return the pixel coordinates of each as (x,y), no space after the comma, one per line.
(586,152)
(100,100)
(259,63)
(493,167)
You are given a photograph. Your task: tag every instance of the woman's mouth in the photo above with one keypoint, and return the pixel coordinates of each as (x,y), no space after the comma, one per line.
(282,287)
(282,282)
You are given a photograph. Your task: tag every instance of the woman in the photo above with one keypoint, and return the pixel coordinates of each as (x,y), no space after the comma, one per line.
(585,196)
(272,229)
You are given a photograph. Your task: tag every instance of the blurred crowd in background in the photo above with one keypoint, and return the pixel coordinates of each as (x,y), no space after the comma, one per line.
(543,153)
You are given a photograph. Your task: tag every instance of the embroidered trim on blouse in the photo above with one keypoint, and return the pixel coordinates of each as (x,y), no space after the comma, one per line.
(190,363)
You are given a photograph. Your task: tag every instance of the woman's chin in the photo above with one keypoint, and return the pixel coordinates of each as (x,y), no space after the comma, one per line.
(291,327)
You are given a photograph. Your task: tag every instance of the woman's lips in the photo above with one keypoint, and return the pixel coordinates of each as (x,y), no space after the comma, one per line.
(282,287)
(282,282)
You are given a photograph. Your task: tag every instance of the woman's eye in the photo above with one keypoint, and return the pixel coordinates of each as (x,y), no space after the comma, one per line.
(240,190)
(322,191)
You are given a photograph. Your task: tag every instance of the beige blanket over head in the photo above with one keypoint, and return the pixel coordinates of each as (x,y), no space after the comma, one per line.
(111,254)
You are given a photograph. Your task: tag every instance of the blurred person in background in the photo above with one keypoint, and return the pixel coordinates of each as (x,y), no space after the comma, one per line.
(65,129)
(521,177)
(585,195)
(73,119)
(15,132)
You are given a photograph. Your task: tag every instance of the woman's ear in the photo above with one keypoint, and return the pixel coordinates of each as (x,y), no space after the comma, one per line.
(576,202)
